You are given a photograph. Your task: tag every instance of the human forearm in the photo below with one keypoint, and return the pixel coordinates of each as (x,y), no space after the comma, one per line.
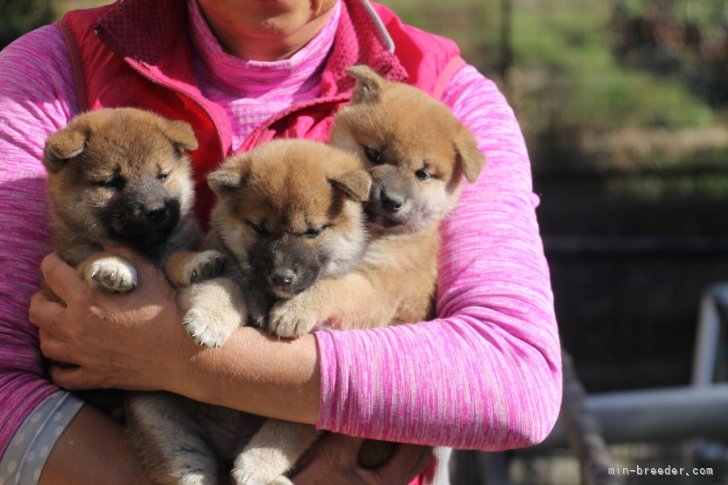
(258,374)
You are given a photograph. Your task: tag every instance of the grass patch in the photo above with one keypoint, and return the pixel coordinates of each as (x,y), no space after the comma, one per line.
(594,91)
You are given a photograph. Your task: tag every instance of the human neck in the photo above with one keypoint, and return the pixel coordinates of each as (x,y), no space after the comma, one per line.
(269,39)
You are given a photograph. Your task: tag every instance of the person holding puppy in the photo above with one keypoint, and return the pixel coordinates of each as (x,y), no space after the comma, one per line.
(485,374)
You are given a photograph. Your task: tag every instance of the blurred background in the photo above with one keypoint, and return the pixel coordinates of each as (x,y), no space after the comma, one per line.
(624,105)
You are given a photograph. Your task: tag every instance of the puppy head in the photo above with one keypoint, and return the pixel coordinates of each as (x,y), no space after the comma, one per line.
(121,176)
(415,149)
(291,212)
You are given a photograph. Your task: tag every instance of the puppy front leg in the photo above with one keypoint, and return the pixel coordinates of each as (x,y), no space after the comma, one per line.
(214,309)
(109,272)
(272,452)
(351,301)
(184,268)
(161,430)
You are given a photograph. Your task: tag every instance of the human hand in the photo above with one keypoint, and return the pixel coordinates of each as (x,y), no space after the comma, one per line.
(130,341)
(333,461)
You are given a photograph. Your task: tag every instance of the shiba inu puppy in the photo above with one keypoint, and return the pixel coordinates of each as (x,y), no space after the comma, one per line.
(417,153)
(121,177)
(289,214)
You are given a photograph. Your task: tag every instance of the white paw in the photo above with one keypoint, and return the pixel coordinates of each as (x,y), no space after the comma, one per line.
(259,467)
(204,266)
(204,329)
(196,478)
(288,319)
(281,480)
(113,274)
(214,310)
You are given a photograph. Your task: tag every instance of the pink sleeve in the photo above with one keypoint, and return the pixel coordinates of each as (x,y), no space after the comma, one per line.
(487,373)
(37,97)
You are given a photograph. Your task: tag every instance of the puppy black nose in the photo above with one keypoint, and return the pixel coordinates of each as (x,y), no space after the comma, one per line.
(391,202)
(283,277)
(157,214)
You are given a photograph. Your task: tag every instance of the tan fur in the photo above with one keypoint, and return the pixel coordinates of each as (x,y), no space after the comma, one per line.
(394,284)
(184,268)
(272,451)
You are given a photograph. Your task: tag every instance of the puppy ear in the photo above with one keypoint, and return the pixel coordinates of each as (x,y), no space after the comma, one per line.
(63,146)
(356,184)
(180,134)
(469,157)
(368,86)
(231,176)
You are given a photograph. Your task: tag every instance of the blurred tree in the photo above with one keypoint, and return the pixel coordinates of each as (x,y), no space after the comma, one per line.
(687,38)
(19,17)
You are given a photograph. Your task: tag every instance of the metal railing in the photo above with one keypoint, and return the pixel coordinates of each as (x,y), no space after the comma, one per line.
(698,411)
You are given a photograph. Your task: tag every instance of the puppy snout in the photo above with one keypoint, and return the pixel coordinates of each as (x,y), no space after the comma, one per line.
(157,214)
(283,277)
(393,202)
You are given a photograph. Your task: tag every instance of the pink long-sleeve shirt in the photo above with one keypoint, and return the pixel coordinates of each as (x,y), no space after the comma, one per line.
(486,374)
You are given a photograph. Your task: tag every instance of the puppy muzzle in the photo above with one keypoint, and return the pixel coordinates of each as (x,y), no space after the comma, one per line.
(144,226)
(389,201)
(285,267)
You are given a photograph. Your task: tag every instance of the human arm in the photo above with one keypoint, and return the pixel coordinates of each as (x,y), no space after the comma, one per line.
(486,374)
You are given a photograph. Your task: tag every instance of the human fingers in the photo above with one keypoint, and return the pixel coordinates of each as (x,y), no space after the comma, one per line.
(44,313)
(53,347)
(341,448)
(331,460)
(76,378)
(61,278)
(333,448)
(334,460)
(406,463)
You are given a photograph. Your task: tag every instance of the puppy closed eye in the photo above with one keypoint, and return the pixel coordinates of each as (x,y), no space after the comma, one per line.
(115,182)
(374,155)
(313,233)
(257,228)
(163,176)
